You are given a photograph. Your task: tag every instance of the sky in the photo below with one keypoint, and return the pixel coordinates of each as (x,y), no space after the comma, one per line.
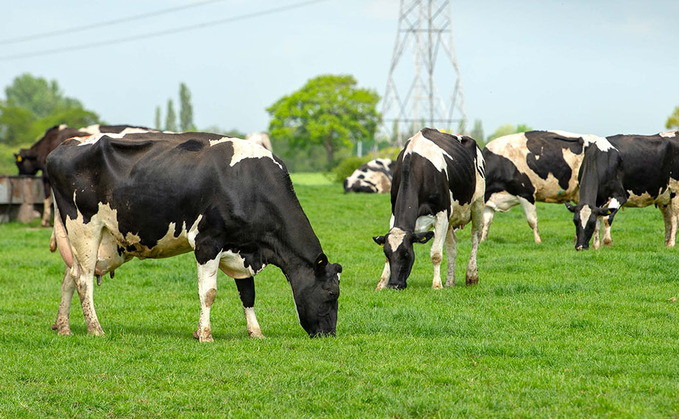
(588,66)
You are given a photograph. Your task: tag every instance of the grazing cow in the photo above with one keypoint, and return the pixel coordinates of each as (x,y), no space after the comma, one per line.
(260,138)
(629,171)
(527,167)
(438,182)
(154,195)
(372,177)
(31,161)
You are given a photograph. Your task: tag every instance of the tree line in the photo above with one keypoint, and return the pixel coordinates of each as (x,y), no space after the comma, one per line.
(312,128)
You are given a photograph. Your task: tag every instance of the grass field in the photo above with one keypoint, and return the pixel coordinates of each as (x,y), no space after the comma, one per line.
(547,332)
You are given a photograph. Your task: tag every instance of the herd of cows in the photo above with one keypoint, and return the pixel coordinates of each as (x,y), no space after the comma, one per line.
(122,192)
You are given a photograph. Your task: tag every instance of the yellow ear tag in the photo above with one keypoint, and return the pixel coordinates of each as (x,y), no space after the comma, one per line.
(19,159)
(382,245)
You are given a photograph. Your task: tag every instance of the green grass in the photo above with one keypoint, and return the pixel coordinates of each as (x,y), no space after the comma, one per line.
(547,332)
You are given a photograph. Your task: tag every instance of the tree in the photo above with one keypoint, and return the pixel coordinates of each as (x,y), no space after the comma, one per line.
(171,117)
(477,131)
(157,120)
(673,120)
(33,105)
(185,109)
(507,129)
(328,110)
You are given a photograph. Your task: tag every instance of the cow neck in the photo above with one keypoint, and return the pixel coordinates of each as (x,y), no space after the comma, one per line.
(589,178)
(295,247)
(407,206)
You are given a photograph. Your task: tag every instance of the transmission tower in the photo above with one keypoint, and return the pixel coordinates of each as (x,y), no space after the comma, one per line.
(412,99)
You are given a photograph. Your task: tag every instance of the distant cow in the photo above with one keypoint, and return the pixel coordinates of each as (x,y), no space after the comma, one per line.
(31,161)
(438,183)
(531,166)
(372,177)
(260,138)
(155,195)
(629,171)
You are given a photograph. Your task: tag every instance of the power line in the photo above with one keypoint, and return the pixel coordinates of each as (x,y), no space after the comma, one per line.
(162,33)
(82,28)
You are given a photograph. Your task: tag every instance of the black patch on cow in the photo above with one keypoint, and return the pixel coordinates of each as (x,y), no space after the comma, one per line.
(503,175)
(191,145)
(117,129)
(648,162)
(546,155)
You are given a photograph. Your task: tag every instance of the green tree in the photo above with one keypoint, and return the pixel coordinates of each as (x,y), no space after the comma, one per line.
(507,129)
(170,117)
(34,104)
(185,109)
(673,120)
(477,131)
(157,120)
(329,110)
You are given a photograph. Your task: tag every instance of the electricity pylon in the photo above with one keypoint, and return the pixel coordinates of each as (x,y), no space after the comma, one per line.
(412,99)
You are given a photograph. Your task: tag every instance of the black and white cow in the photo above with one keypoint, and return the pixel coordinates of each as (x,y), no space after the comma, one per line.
(527,167)
(155,195)
(32,160)
(372,177)
(438,183)
(629,171)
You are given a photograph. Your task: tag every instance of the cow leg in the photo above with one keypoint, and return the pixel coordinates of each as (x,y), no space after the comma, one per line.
(436,253)
(207,290)
(384,278)
(670,217)
(472,269)
(606,239)
(596,240)
(451,252)
(47,211)
(246,290)
(674,211)
(62,324)
(532,217)
(84,263)
(488,215)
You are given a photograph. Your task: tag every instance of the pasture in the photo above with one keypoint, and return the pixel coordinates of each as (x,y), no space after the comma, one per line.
(547,332)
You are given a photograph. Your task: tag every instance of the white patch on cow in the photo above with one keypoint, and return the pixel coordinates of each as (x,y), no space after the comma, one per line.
(646,199)
(668,134)
(233,264)
(260,138)
(585,212)
(600,142)
(243,149)
(502,201)
(396,238)
(424,223)
(92,139)
(614,203)
(419,144)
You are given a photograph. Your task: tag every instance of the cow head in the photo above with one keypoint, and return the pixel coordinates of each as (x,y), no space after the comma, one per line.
(398,248)
(584,218)
(317,300)
(27,162)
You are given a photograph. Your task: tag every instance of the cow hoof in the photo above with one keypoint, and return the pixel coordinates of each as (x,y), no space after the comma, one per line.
(450,284)
(437,286)
(256,334)
(64,332)
(206,336)
(472,280)
(94,332)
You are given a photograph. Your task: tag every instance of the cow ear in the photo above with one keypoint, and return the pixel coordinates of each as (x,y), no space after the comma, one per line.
(570,206)
(320,264)
(380,240)
(422,237)
(604,212)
